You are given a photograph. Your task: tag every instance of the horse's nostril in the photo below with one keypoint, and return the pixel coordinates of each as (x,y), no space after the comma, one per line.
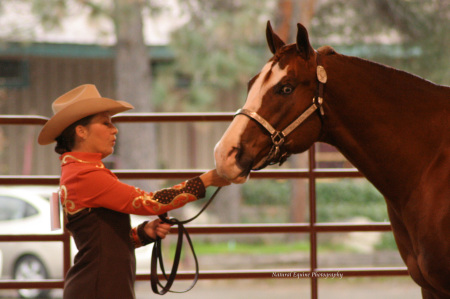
(235,151)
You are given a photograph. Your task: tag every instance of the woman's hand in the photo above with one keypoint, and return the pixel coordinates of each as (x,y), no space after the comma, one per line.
(211,178)
(157,228)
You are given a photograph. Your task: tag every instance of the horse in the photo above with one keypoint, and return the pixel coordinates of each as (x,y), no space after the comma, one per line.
(391,125)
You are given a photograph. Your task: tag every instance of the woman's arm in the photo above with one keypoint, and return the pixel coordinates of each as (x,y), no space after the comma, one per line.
(212,178)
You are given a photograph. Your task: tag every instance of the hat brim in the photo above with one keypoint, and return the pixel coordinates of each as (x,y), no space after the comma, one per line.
(67,116)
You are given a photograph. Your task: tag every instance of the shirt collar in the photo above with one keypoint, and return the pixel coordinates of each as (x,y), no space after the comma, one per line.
(82,157)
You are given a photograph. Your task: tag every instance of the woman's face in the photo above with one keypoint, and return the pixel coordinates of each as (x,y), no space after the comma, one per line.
(99,136)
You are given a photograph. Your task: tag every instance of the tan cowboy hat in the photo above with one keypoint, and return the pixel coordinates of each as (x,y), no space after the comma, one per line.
(74,105)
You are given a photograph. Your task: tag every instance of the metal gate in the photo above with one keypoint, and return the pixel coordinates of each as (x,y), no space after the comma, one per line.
(311,228)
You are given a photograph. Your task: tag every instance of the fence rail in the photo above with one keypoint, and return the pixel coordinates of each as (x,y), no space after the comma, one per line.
(312,227)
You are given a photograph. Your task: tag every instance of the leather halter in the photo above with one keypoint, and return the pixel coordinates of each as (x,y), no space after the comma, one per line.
(278,153)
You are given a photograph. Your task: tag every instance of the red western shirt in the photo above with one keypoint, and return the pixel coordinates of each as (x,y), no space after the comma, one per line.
(86,183)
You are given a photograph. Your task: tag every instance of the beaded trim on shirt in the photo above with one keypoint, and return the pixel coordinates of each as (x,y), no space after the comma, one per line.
(68,205)
(176,196)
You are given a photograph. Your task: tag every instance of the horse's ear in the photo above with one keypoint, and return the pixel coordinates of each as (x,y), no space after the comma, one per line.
(303,46)
(273,40)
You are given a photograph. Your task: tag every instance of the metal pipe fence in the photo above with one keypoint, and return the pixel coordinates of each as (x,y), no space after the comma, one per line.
(312,228)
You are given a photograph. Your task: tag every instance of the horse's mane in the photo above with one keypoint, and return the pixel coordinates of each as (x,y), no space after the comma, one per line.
(409,79)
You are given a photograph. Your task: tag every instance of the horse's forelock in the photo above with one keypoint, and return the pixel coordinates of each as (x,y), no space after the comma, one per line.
(284,56)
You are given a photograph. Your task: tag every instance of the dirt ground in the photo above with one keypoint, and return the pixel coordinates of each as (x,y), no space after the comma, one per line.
(346,288)
(282,288)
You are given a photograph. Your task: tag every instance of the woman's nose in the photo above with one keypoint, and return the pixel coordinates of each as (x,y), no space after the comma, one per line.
(115,130)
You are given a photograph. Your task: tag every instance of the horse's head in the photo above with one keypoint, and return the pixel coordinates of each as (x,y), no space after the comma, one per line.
(280,98)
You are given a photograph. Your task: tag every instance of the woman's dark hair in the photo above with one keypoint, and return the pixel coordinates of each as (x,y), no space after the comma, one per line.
(66,141)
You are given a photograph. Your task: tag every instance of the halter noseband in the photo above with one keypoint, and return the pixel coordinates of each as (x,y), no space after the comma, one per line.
(277,153)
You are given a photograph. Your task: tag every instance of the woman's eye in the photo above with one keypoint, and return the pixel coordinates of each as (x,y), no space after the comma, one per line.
(287,89)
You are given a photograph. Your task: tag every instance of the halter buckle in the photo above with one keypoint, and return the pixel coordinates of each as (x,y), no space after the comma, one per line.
(318,101)
(277,138)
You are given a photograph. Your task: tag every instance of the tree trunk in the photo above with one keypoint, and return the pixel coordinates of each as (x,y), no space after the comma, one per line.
(137,142)
(289,14)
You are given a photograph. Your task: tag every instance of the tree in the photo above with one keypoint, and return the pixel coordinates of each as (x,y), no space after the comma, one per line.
(134,83)
(419,29)
(216,52)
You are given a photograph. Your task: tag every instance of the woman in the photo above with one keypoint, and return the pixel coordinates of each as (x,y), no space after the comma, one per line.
(97,204)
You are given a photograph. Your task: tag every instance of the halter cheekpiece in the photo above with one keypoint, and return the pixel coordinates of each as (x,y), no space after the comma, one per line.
(278,153)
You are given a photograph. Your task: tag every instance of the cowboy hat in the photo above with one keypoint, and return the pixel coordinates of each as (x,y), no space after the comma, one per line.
(74,105)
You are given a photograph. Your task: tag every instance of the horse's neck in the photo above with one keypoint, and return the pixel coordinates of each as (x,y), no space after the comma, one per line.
(384,121)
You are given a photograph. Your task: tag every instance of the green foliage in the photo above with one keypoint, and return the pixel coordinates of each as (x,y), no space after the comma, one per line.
(347,191)
(267,192)
(223,44)
(50,12)
(345,199)
(422,25)
(216,51)
(231,247)
(387,242)
(336,200)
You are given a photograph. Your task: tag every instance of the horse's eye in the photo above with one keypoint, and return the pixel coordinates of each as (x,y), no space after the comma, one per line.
(287,89)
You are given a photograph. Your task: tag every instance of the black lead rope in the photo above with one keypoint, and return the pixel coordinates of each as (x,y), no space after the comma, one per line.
(157,254)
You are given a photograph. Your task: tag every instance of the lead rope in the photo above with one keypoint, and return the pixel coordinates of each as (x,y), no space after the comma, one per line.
(157,254)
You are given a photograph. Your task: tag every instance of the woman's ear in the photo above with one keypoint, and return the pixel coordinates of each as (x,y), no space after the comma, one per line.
(80,132)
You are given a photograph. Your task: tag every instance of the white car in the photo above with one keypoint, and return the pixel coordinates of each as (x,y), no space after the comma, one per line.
(25,210)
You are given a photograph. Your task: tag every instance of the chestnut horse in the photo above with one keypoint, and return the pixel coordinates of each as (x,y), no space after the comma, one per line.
(393,126)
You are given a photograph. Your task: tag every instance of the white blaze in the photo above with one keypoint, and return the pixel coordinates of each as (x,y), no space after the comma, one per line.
(225,150)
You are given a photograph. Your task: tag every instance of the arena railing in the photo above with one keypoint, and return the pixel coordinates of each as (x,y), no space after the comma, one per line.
(313,228)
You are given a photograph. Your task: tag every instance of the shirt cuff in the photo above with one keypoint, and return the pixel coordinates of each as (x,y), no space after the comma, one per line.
(139,237)
(196,187)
